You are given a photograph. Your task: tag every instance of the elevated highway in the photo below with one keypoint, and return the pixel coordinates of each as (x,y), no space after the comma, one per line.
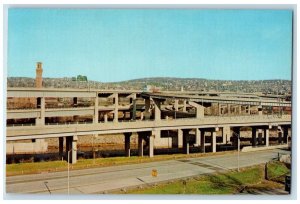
(48,131)
(151,122)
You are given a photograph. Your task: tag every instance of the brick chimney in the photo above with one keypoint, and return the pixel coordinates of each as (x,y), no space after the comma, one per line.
(39,77)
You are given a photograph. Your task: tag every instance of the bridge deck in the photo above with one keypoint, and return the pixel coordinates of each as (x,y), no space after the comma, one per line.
(47,131)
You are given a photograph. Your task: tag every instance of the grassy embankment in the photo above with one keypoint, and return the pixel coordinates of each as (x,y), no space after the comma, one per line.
(221,183)
(52,166)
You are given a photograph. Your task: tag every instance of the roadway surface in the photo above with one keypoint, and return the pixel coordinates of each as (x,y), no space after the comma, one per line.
(105,179)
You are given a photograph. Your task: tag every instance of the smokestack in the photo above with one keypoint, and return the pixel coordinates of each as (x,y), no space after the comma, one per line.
(39,77)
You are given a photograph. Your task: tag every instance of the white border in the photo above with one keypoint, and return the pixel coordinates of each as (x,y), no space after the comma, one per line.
(159,4)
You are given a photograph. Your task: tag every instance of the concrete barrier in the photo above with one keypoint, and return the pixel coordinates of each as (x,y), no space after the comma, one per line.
(251,149)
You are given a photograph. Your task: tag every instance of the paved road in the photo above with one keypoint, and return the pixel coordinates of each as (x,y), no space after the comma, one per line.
(99,180)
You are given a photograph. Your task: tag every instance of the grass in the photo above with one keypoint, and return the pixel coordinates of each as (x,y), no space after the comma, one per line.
(52,166)
(277,171)
(219,183)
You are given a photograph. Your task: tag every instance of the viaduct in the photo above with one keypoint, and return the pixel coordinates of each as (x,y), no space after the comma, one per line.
(178,112)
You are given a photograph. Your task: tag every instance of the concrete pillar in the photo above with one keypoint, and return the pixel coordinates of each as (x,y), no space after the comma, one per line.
(61,146)
(202,148)
(74,150)
(151,145)
(142,115)
(219,109)
(96,114)
(140,145)
(105,118)
(280,138)
(147,109)
(239,109)
(133,109)
(285,134)
(157,114)
(127,143)
(260,112)
(259,139)
(249,109)
(71,149)
(41,106)
(228,109)
(226,134)
(198,137)
(214,141)
(68,145)
(176,104)
(186,141)
(116,109)
(180,138)
(267,134)
(75,102)
(254,141)
(184,106)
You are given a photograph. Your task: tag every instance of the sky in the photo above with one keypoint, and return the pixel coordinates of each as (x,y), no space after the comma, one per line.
(110,45)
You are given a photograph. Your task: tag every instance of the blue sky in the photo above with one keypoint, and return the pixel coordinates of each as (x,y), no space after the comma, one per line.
(115,45)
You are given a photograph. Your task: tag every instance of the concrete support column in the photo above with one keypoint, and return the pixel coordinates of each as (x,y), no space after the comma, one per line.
(279,137)
(147,109)
(105,118)
(260,112)
(202,148)
(239,109)
(75,102)
(226,134)
(74,150)
(157,114)
(254,141)
(41,105)
(184,106)
(140,145)
(214,141)
(186,141)
(180,138)
(127,143)
(176,104)
(285,134)
(142,115)
(124,115)
(116,109)
(259,138)
(68,145)
(133,110)
(249,109)
(151,145)
(61,146)
(219,109)
(71,148)
(267,134)
(228,109)
(198,137)
(96,114)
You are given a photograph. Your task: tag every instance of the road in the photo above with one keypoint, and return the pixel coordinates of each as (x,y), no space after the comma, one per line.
(105,179)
